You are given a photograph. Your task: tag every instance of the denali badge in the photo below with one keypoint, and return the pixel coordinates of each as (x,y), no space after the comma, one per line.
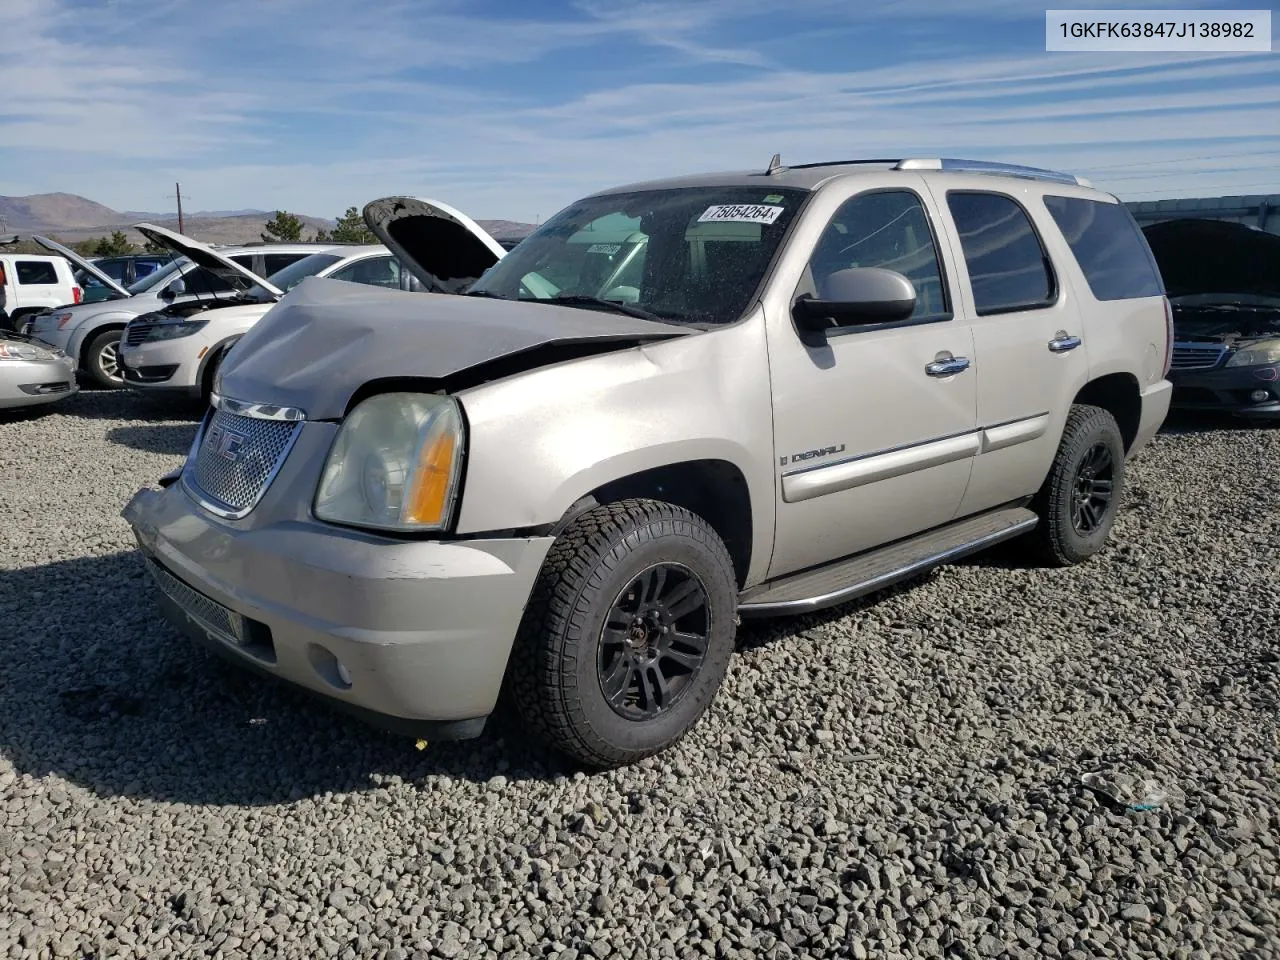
(810,455)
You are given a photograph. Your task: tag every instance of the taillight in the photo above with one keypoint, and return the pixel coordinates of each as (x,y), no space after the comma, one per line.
(77,294)
(3,281)
(1168,337)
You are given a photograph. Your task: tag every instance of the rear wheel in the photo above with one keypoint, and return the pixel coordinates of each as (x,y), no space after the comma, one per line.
(101,359)
(628,633)
(1078,502)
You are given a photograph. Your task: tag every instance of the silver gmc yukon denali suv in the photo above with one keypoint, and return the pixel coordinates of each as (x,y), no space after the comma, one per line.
(566,474)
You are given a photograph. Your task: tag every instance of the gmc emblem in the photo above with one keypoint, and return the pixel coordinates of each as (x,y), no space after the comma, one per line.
(226,443)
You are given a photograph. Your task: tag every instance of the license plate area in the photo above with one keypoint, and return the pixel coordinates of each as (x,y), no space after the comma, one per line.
(212,618)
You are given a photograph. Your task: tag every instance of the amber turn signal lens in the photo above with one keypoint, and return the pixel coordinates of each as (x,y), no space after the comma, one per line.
(428,500)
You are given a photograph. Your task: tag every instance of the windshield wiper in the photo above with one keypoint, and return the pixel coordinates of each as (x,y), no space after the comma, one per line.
(484,293)
(617,306)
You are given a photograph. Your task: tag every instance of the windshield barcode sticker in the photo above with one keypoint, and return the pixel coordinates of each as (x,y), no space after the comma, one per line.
(609,248)
(740,213)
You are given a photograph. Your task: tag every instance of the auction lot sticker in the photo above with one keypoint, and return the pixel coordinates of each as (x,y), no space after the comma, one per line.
(740,213)
(1159,31)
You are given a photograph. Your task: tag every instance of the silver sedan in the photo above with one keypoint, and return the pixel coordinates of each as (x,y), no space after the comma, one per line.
(32,372)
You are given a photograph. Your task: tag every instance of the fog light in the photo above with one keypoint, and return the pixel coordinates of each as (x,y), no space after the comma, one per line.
(343,673)
(1259,396)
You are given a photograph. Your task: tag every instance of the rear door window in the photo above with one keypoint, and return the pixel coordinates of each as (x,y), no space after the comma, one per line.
(1008,267)
(1109,247)
(278,261)
(35,272)
(373,271)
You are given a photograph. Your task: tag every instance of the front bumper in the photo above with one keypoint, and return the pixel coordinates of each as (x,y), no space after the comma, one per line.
(27,383)
(422,629)
(1229,390)
(166,366)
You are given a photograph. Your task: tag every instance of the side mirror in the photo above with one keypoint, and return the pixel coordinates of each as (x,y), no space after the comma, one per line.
(175,288)
(857,296)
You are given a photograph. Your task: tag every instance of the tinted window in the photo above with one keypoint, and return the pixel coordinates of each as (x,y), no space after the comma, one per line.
(375,271)
(1108,246)
(200,280)
(36,272)
(1008,268)
(115,269)
(278,261)
(888,229)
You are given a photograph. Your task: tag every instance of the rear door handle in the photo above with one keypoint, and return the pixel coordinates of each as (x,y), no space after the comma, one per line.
(945,368)
(1062,343)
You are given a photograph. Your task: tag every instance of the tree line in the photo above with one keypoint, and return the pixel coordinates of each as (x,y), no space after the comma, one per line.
(283,227)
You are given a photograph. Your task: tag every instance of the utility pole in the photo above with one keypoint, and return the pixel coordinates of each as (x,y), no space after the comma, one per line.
(178,192)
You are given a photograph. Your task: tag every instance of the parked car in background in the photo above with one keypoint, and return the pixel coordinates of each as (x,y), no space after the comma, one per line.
(807,384)
(177,350)
(33,283)
(33,373)
(90,333)
(1223,281)
(124,270)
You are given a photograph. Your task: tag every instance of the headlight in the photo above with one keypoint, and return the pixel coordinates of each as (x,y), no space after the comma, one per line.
(1256,354)
(395,464)
(172,330)
(25,351)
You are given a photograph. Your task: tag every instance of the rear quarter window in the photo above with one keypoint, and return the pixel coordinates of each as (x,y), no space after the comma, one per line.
(35,272)
(1109,247)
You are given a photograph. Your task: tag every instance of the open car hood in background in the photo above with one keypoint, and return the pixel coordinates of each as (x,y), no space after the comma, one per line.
(1215,257)
(327,338)
(54,247)
(240,278)
(444,248)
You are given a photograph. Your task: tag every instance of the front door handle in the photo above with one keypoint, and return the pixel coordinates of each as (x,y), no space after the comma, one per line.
(1061,343)
(945,368)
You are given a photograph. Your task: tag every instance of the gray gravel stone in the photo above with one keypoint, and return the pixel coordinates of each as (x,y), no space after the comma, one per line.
(900,777)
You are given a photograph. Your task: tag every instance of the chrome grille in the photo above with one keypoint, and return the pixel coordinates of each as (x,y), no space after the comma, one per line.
(212,616)
(236,459)
(1196,356)
(136,332)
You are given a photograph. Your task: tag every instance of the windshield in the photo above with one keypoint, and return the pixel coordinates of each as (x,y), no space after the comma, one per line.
(694,254)
(292,275)
(157,276)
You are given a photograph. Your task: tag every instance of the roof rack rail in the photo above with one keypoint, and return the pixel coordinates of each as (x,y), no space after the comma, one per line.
(837,163)
(951,164)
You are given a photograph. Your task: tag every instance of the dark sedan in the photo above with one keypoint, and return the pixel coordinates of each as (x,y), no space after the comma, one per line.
(1223,281)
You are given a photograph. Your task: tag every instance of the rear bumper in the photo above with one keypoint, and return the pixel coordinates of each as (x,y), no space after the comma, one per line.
(1155,407)
(28,383)
(1235,390)
(422,631)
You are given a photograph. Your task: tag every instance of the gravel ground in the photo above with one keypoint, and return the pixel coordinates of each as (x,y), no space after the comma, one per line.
(897,778)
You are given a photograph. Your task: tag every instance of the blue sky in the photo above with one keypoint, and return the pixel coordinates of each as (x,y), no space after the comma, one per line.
(509,109)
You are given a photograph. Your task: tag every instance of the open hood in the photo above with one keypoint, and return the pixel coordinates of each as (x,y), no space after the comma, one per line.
(326,339)
(1201,257)
(444,248)
(240,278)
(54,247)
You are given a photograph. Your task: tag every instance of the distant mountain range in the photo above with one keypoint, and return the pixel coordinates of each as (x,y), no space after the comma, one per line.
(72,218)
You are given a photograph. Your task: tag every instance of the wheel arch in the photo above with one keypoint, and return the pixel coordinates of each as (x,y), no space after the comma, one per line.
(219,349)
(1121,396)
(714,489)
(90,329)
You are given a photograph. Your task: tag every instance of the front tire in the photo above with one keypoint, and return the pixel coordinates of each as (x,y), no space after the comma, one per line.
(627,635)
(1077,504)
(102,360)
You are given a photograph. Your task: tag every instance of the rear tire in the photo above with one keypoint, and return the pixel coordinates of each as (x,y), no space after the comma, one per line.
(1077,504)
(627,635)
(101,360)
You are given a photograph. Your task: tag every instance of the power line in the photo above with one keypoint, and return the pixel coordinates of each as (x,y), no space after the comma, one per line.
(1214,186)
(1152,163)
(1183,173)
